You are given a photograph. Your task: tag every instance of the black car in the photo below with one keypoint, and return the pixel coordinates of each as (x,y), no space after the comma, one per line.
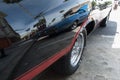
(34,34)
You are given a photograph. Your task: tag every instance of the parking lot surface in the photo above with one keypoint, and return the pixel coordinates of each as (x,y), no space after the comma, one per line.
(101,58)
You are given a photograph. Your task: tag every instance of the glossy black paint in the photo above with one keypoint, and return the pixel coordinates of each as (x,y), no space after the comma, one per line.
(39,18)
(32,31)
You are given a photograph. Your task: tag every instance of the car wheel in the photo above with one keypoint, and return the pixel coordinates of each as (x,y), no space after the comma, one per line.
(74,25)
(103,23)
(68,64)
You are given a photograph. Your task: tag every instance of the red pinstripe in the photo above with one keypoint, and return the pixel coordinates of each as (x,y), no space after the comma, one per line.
(45,64)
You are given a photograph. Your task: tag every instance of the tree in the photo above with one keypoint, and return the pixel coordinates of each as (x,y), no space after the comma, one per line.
(107,3)
(93,4)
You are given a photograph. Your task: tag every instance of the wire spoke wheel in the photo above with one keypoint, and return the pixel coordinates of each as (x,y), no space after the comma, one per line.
(69,63)
(77,50)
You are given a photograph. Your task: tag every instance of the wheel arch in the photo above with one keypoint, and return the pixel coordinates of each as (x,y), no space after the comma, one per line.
(90,26)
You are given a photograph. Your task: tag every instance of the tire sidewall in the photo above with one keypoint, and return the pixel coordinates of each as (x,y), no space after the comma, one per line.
(69,68)
(63,66)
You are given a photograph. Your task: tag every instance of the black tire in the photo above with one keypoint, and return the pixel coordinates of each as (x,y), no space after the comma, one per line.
(74,25)
(67,65)
(103,23)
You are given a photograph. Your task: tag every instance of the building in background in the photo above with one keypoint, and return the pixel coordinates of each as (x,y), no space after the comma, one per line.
(6,30)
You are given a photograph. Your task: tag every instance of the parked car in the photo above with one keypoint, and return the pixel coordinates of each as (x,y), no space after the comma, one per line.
(35,34)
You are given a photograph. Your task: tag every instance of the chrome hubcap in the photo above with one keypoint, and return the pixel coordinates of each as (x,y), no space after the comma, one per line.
(77,50)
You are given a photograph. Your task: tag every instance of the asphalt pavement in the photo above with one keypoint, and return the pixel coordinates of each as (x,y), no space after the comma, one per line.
(101,58)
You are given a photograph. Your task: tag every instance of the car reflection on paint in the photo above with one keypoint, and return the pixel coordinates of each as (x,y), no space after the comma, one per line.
(70,21)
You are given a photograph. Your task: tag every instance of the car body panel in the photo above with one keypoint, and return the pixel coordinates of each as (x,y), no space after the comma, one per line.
(38,30)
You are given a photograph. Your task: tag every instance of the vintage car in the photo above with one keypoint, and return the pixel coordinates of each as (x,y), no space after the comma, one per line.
(35,34)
